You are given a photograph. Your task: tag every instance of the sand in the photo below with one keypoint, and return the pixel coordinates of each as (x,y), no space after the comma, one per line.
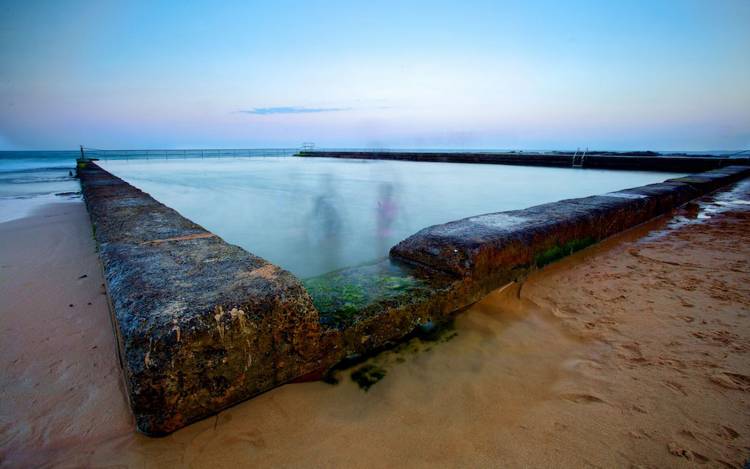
(60,381)
(633,353)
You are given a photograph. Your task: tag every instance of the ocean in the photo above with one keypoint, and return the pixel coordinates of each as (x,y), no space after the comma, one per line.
(29,179)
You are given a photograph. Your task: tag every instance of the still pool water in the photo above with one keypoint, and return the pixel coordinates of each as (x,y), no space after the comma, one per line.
(316,215)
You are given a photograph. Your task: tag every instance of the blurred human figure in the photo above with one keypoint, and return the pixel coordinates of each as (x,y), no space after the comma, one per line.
(386,213)
(324,225)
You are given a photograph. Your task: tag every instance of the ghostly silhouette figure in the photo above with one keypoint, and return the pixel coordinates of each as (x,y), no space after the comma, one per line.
(385,213)
(325,225)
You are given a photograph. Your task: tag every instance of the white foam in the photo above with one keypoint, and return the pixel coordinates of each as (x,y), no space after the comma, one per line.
(625,195)
(14,208)
(497,220)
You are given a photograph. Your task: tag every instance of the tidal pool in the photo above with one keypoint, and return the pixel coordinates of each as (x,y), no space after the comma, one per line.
(316,215)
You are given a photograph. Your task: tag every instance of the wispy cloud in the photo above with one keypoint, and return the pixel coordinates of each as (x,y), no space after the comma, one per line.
(264,111)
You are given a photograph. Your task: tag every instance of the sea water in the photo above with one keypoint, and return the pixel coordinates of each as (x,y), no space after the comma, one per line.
(316,215)
(29,179)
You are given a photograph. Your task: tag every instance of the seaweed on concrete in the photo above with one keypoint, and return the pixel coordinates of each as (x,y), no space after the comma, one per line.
(421,339)
(558,251)
(368,375)
(342,296)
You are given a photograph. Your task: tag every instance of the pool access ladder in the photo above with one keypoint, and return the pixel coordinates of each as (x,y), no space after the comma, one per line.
(578,160)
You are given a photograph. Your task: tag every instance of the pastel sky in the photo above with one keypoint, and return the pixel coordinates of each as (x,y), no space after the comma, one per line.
(628,74)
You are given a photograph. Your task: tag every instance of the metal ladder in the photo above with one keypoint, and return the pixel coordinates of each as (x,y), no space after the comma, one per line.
(578,161)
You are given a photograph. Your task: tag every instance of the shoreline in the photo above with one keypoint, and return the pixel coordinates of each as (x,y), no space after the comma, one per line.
(559,376)
(16,208)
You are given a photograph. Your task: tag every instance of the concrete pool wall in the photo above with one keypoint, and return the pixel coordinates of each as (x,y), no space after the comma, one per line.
(202,324)
(644,161)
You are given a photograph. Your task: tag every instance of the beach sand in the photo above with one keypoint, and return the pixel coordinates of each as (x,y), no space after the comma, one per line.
(633,353)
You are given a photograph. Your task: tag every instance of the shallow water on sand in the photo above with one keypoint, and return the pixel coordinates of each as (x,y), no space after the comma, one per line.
(315,215)
(29,180)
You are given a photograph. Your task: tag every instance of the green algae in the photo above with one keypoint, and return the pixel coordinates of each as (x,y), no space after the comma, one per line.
(367,376)
(336,296)
(557,252)
(422,339)
(342,296)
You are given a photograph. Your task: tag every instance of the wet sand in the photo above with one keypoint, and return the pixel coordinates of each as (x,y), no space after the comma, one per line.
(633,353)
(60,382)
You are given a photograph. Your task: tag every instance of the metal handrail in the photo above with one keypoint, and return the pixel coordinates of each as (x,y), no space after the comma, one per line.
(91,153)
(578,159)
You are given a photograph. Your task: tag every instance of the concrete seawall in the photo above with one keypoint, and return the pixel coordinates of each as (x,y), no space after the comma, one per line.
(610,160)
(498,245)
(202,324)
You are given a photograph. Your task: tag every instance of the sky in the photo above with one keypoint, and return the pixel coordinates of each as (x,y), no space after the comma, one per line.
(533,74)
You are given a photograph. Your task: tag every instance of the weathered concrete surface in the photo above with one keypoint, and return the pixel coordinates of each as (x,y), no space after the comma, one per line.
(647,161)
(368,308)
(456,264)
(496,245)
(201,324)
